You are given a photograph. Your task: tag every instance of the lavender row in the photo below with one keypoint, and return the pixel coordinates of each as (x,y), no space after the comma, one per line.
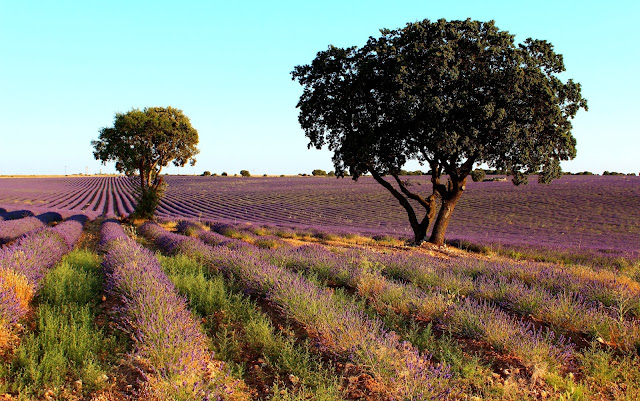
(24,263)
(586,285)
(12,229)
(532,346)
(158,320)
(577,287)
(610,288)
(93,196)
(563,311)
(571,298)
(338,326)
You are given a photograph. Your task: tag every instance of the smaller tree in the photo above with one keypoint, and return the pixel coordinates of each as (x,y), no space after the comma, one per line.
(142,142)
(319,173)
(207,173)
(224,174)
(245,173)
(478,175)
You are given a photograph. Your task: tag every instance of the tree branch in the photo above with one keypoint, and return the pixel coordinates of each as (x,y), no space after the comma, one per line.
(411,195)
(403,201)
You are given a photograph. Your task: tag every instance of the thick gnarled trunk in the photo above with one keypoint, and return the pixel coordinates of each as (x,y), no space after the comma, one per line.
(450,197)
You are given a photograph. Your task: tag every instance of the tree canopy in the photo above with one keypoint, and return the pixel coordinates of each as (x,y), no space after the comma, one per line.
(143,142)
(449,94)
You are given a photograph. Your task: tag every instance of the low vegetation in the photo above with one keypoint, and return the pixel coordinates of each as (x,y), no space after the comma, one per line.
(189,309)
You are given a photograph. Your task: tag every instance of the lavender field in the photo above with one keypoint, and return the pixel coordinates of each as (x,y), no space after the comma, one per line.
(208,309)
(577,212)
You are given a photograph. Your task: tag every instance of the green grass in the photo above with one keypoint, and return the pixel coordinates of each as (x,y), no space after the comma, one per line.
(65,345)
(238,326)
(617,376)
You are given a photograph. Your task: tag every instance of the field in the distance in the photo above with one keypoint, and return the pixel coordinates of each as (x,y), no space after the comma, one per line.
(578,212)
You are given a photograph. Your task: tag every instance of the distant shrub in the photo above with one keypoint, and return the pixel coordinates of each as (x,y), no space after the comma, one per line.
(267,243)
(281,175)
(325,236)
(264,175)
(478,175)
(584,173)
(319,173)
(417,172)
(245,173)
(206,173)
(284,233)
(331,173)
(214,174)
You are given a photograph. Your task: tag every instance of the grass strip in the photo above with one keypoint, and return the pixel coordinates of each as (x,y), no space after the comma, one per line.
(66,355)
(239,323)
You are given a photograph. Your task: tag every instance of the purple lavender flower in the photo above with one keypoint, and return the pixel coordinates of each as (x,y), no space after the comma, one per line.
(152,313)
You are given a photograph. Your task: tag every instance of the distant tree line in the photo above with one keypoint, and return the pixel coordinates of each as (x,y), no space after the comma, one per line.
(478,174)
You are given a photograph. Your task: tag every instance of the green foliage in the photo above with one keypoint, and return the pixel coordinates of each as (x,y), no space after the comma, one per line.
(331,173)
(621,374)
(449,94)
(267,243)
(478,175)
(206,173)
(65,343)
(148,201)
(319,173)
(224,174)
(142,142)
(448,72)
(73,281)
(416,172)
(245,173)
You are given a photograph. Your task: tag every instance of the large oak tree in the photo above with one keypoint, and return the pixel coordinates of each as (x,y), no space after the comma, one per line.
(143,142)
(449,94)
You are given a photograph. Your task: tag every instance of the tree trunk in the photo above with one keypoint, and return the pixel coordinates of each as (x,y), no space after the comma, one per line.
(143,187)
(444,215)
(429,204)
(420,232)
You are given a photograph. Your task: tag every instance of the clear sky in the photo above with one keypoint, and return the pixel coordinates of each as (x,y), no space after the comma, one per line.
(66,67)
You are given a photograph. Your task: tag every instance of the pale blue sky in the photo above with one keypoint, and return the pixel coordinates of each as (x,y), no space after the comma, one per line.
(66,67)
